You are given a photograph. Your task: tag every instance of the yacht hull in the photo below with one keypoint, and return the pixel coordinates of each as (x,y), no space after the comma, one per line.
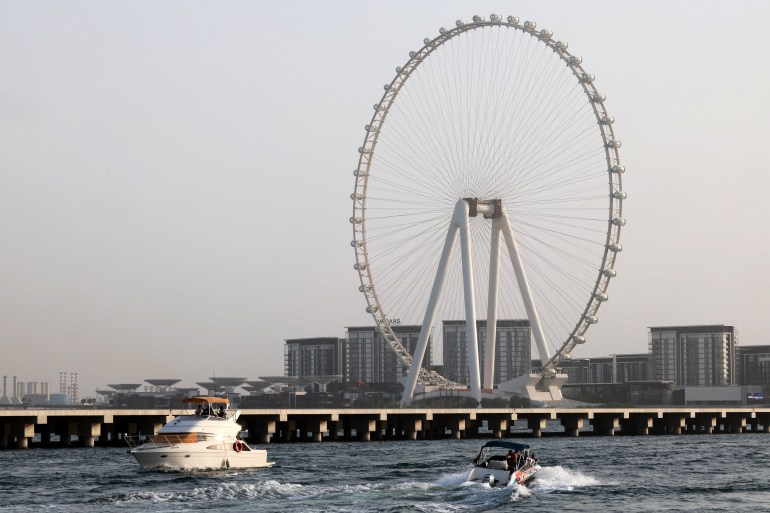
(189,457)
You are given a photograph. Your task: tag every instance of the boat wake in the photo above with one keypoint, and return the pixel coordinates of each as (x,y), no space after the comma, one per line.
(560,479)
(547,480)
(265,490)
(453,479)
(450,488)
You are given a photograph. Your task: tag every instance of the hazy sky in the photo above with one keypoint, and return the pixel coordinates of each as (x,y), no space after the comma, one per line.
(175,180)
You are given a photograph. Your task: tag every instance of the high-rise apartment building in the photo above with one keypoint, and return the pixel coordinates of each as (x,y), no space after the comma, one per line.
(369,359)
(513,350)
(309,357)
(694,355)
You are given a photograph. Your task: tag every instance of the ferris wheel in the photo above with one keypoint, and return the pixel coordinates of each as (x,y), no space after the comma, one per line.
(488,187)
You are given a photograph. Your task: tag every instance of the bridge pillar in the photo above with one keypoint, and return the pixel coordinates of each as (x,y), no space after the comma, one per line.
(764,420)
(605,424)
(737,422)
(316,426)
(411,425)
(572,423)
(435,430)
(537,425)
(364,427)
(536,420)
(66,430)
(499,425)
(109,435)
(87,431)
(334,431)
(289,430)
(23,432)
(261,429)
(674,422)
(5,434)
(456,425)
(45,435)
(706,422)
(637,424)
(150,426)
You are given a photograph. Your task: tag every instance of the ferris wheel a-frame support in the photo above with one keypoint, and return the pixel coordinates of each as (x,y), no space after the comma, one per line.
(464,210)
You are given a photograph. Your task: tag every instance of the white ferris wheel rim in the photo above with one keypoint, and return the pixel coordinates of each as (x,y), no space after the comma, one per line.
(597,293)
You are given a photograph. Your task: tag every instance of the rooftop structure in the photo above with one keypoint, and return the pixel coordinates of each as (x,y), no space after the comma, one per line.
(256,386)
(286,380)
(162,384)
(125,387)
(211,387)
(187,390)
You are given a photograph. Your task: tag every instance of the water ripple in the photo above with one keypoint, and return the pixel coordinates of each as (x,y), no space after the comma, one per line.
(633,474)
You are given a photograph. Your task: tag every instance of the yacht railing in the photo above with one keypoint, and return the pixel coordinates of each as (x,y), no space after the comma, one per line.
(152,441)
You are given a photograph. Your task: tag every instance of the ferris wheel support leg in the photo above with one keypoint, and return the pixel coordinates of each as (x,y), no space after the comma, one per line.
(526,293)
(494,259)
(471,332)
(430,315)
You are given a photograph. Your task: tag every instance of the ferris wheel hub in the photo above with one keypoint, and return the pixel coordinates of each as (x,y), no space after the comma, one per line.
(490,209)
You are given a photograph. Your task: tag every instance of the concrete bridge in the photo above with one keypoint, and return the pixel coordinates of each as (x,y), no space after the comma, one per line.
(22,428)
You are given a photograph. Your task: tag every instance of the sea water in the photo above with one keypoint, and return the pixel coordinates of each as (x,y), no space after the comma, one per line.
(588,474)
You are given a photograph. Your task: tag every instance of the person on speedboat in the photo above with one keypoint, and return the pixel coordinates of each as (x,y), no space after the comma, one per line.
(513,462)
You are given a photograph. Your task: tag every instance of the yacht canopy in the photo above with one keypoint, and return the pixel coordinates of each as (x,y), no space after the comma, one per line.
(206,399)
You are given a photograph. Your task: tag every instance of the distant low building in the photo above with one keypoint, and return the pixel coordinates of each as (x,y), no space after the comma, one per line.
(635,393)
(709,396)
(620,368)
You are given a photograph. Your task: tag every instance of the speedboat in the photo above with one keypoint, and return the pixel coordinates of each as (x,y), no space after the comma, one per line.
(208,439)
(498,465)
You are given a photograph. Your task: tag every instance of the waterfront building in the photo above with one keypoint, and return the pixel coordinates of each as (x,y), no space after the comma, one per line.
(629,392)
(310,357)
(513,349)
(619,368)
(754,365)
(369,359)
(694,355)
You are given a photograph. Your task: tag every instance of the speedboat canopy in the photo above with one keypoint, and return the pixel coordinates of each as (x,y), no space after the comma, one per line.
(503,444)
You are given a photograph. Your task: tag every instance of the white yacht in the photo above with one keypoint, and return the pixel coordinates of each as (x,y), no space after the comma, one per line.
(493,464)
(207,439)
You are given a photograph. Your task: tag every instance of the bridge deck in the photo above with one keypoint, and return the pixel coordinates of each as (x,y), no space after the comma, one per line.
(21,428)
